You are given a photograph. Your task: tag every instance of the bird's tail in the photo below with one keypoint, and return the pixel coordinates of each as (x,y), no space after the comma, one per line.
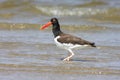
(93,44)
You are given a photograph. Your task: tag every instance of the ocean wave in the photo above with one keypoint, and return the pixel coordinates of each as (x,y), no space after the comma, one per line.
(62,11)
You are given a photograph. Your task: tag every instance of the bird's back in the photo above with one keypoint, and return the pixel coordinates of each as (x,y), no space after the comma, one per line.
(67,38)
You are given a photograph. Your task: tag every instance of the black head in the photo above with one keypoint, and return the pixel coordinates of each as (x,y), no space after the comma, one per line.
(56,27)
(54,21)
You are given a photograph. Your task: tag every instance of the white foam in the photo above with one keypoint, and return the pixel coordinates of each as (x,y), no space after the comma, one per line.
(63,11)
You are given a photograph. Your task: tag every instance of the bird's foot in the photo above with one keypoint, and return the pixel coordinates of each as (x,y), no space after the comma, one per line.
(66,59)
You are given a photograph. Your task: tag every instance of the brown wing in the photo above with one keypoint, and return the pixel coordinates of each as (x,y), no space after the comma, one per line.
(66,38)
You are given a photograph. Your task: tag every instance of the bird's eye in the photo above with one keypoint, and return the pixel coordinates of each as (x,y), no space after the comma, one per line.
(54,20)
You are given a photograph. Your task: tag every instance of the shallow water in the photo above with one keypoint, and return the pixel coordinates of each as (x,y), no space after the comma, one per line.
(30,54)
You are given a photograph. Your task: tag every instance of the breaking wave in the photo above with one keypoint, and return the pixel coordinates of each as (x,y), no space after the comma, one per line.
(62,11)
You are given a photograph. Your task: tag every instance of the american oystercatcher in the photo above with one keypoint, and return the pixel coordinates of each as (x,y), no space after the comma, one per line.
(66,41)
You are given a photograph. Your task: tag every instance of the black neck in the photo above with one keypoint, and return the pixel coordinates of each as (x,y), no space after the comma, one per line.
(56,30)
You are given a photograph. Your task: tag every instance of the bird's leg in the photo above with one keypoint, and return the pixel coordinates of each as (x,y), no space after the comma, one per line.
(68,58)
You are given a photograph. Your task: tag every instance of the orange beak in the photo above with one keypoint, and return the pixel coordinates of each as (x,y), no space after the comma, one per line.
(46,25)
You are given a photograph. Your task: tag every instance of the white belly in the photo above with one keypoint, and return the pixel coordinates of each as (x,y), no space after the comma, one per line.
(67,45)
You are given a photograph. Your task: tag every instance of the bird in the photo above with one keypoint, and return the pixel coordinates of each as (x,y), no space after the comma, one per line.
(66,41)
